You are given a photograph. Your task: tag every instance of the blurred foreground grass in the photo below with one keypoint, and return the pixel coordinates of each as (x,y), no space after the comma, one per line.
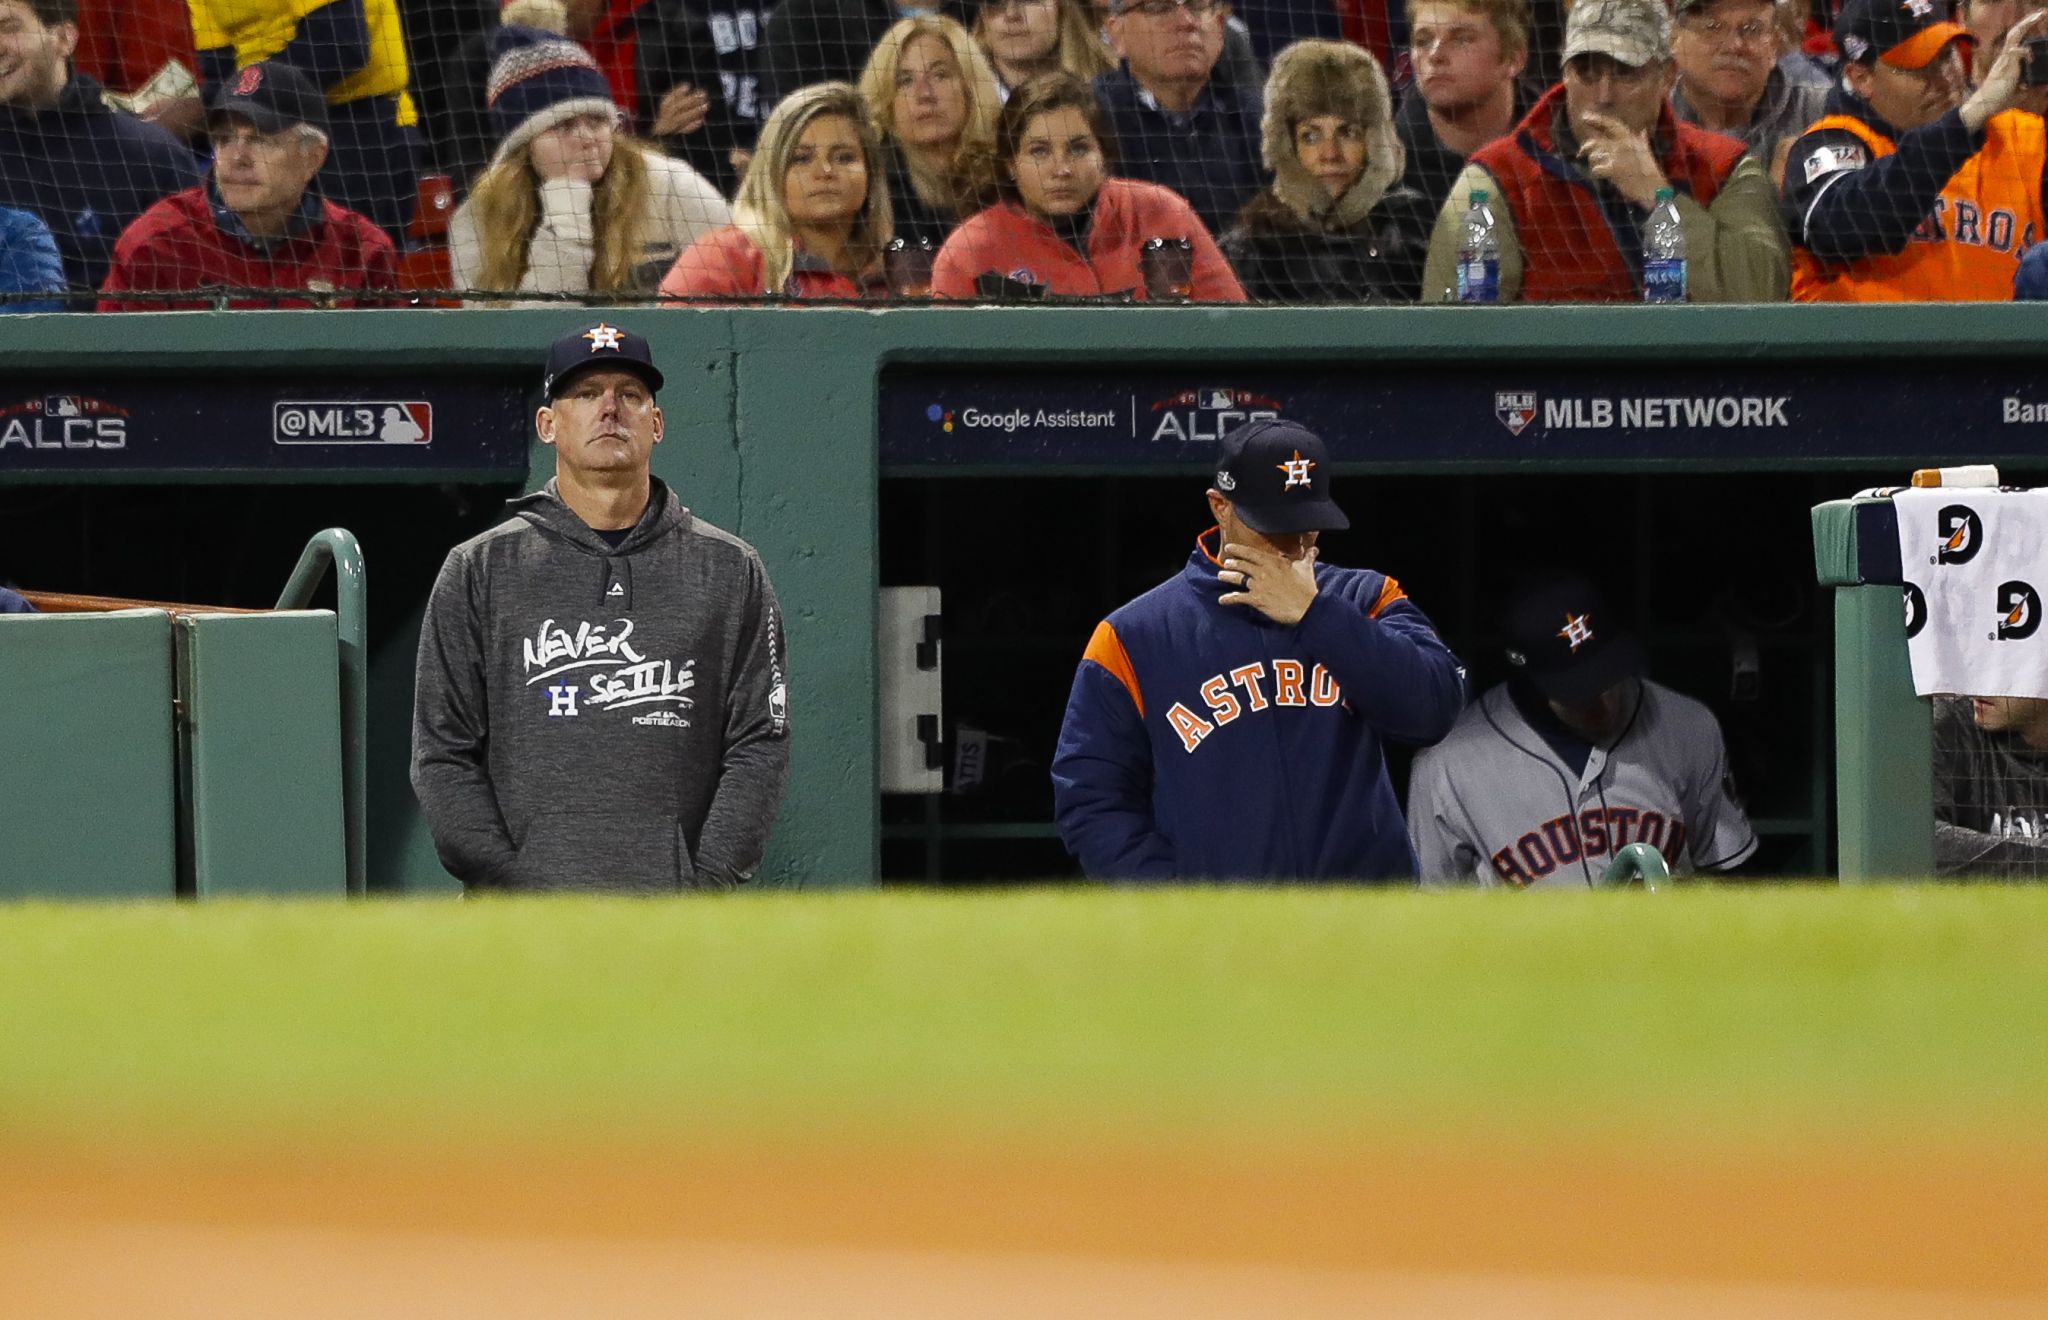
(1055,1015)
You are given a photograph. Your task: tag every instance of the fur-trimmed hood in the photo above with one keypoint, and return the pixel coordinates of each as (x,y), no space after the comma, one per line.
(1317,77)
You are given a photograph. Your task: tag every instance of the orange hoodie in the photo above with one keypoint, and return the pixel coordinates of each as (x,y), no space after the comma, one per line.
(1009,241)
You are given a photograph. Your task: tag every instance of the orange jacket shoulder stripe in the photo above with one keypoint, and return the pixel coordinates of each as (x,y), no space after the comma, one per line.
(1105,648)
(1987,216)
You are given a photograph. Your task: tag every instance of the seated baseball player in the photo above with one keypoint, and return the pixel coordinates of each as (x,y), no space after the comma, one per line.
(1227,724)
(1577,755)
(1991,787)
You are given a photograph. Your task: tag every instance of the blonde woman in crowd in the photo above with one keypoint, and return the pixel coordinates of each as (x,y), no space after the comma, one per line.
(932,100)
(1025,38)
(570,204)
(813,211)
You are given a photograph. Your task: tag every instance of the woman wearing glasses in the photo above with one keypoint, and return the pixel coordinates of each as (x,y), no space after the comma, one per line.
(1065,227)
(1336,225)
(933,102)
(1026,38)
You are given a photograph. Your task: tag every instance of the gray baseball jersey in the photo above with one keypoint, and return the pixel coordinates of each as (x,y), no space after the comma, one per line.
(1492,804)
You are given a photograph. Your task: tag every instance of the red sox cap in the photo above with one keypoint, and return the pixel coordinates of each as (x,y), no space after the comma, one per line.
(601,345)
(271,96)
(1561,636)
(1276,474)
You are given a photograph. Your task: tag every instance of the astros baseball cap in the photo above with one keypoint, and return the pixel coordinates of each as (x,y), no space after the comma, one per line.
(1905,34)
(1635,32)
(1563,639)
(602,345)
(272,96)
(1276,474)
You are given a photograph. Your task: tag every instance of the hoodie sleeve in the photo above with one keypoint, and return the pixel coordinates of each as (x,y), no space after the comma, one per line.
(1394,669)
(565,242)
(755,766)
(449,739)
(1102,773)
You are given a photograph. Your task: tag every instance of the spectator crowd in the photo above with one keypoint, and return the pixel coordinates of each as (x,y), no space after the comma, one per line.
(307,153)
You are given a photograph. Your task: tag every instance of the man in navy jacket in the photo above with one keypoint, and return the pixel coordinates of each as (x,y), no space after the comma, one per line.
(1226,725)
(85,169)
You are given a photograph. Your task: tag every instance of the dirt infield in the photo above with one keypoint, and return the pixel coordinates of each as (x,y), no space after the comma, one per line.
(917,1232)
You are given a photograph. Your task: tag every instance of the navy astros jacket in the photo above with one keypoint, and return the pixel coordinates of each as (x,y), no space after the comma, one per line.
(1205,741)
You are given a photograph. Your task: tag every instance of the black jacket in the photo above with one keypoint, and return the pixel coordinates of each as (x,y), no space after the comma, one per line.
(1281,257)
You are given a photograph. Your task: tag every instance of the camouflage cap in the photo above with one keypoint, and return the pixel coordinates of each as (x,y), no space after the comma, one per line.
(1635,32)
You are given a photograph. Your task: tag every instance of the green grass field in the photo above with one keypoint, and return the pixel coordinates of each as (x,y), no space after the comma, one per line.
(1737,1016)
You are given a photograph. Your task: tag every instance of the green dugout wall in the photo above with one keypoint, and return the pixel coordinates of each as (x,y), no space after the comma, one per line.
(772,433)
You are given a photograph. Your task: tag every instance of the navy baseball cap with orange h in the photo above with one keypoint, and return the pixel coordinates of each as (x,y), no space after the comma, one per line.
(1906,34)
(602,345)
(1276,474)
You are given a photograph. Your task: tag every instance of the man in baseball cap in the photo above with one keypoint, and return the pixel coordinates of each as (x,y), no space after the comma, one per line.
(1913,187)
(259,223)
(1580,669)
(1573,758)
(601,700)
(272,96)
(1583,170)
(1227,724)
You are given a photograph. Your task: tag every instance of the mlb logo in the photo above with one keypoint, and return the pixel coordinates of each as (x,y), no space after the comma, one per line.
(1216,399)
(1516,409)
(63,405)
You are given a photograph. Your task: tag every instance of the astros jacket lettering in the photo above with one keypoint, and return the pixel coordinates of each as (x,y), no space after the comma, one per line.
(1203,741)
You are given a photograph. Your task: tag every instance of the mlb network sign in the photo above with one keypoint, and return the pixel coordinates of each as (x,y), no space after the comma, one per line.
(1516,409)
(353,422)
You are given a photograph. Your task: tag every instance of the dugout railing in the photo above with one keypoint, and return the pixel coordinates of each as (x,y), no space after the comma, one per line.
(159,749)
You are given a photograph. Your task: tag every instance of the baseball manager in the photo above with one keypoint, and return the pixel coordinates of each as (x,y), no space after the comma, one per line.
(1227,724)
(600,702)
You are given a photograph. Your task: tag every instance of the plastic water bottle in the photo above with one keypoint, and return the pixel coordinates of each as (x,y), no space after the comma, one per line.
(1664,252)
(1478,253)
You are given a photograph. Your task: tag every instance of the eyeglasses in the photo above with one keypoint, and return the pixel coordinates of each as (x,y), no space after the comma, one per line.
(1199,10)
(1714,30)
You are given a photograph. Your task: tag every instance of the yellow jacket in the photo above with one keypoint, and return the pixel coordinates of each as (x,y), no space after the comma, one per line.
(259,29)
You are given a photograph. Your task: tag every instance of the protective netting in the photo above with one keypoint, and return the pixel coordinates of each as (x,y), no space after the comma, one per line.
(1991,788)
(398,152)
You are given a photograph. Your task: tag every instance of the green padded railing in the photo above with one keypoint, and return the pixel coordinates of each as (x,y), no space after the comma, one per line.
(337,547)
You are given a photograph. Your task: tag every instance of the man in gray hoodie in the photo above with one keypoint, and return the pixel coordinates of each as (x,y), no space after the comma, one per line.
(600,703)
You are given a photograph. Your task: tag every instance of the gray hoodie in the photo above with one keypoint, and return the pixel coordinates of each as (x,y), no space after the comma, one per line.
(601,720)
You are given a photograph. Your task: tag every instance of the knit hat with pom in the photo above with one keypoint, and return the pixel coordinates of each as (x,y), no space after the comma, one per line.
(540,81)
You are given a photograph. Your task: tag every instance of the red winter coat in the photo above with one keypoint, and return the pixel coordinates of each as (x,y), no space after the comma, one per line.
(1008,241)
(342,259)
(1568,245)
(726,263)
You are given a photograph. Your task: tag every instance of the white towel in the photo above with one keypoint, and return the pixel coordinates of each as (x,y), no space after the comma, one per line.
(1975,564)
